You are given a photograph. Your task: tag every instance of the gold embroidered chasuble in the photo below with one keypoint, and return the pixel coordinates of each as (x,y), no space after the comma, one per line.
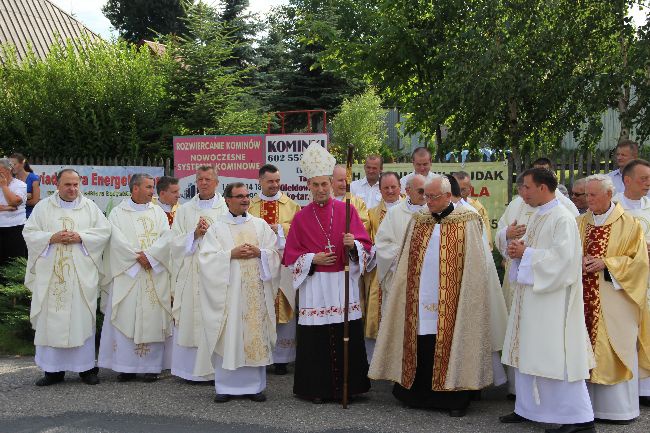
(141,304)
(618,321)
(185,276)
(64,279)
(463,350)
(482,211)
(281,212)
(237,306)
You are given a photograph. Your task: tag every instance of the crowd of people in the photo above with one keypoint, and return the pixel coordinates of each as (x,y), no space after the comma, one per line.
(220,287)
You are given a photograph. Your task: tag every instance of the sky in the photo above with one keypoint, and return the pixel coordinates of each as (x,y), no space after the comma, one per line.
(89,12)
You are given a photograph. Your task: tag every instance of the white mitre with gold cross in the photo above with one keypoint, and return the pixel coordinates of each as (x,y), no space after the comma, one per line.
(316,161)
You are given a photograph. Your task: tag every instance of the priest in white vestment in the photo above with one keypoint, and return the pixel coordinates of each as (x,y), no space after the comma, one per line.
(136,295)
(65,236)
(634,200)
(392,229)
(237,261)
(190,225)
(278,210)
(546,341)
(512,225)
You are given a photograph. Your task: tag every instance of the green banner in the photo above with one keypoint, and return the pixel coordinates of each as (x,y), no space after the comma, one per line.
(489,181)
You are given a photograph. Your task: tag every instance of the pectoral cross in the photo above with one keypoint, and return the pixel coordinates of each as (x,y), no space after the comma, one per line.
(329,246)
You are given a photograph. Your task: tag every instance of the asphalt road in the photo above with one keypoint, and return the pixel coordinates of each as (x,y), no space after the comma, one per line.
(170,405)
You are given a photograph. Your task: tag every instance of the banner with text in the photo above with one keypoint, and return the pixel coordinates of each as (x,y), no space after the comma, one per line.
(285,151)
(489,181)
(105,185)
(237,158)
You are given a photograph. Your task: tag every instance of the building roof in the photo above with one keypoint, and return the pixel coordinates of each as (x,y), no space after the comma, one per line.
(38,23)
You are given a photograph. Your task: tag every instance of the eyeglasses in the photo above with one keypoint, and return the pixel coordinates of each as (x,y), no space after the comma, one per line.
(577,194)
(238,197)
(430,197)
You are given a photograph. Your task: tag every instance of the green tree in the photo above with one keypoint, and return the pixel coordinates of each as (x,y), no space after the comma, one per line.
(103,101)
(511,74)
(291,76)
(242,30)
(145,19)
(208,97)
(362,123)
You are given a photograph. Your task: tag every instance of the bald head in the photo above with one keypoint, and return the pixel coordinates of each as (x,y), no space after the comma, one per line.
(339,181)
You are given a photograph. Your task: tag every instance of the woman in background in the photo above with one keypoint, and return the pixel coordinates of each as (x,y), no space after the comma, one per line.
(23,172)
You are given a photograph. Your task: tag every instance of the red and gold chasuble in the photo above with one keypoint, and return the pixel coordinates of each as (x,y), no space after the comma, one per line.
(595,245)
(270,211)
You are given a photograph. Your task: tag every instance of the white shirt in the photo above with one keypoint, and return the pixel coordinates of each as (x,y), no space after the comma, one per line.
(166,207)
(430,287)
(368,193)
(405,179)
(15,217)
(617,179)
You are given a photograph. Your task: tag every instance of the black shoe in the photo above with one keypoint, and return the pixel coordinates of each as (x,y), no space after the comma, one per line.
(51,378)
(125,377)
(512,418)
(280,369)
(317,400)
(258,398)
(644,401)
(221,398)
(585,427)
(89,377)
(614,421)
(457,413)
(150,377)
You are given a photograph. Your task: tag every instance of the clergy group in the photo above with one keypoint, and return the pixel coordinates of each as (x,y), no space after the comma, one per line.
(225,286)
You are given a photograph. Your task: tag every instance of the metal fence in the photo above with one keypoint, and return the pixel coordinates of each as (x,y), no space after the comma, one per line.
(166,163)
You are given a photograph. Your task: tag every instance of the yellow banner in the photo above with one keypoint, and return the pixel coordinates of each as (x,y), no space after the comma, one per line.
(489,181)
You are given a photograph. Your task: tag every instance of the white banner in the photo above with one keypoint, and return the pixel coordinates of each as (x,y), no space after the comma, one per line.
(105,185)
(284,151)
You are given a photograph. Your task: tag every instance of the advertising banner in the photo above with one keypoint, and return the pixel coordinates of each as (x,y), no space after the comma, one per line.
(489,181)
(237,158)
(105,185)
(285,151)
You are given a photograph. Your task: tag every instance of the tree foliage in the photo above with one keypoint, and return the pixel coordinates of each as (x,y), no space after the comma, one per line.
(362,123)
(145,19)
(291,76)
(512,74)
(207,95)
(105,100)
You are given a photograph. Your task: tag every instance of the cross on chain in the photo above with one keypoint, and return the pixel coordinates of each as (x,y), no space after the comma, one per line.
(329,246)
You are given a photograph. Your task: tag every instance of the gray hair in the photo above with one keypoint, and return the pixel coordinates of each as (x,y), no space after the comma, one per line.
(4,162)
(137,179)
(409,181)
(445,186)
(579,182)
(605,182)
(563,189)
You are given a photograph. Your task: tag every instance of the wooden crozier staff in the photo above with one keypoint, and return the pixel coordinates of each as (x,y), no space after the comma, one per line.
(346,324)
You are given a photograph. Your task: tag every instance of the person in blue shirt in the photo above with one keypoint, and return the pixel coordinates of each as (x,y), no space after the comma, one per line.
(22,171)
